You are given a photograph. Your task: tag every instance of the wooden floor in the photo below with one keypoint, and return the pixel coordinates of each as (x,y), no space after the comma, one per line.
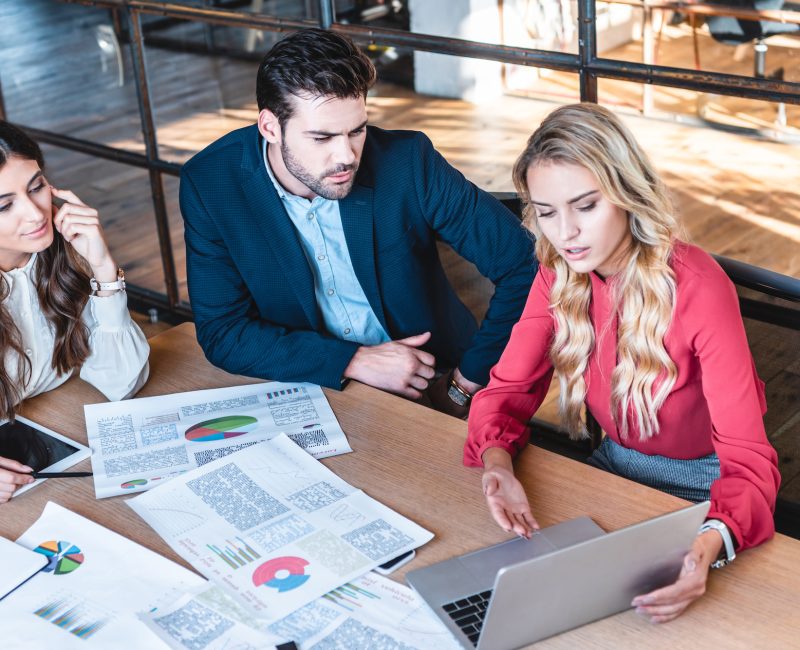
(737,193)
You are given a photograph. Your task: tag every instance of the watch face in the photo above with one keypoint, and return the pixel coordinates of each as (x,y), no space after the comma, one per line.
(456,396)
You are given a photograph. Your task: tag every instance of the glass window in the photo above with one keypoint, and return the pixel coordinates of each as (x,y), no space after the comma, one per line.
(733,186)
(91,98)
(720,43)
(197,98)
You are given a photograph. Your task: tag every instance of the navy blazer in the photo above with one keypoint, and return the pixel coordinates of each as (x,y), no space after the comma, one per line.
(252,291)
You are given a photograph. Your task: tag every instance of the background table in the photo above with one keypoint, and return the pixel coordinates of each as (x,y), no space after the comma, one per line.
(409,457)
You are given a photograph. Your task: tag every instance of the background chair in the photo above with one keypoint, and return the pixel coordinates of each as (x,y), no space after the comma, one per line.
(735,31)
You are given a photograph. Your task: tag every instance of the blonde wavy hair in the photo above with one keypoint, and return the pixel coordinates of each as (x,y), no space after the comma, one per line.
(644,290)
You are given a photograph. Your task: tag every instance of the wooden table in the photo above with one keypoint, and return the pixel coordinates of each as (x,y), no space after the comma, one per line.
(409,457)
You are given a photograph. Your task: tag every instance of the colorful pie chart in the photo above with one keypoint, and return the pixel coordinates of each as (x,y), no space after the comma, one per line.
(63,557)
(137,482)
(281,573)
(228,426)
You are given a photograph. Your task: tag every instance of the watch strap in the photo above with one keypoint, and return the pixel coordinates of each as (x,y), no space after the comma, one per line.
(458,393)
(728,552)
(116,285)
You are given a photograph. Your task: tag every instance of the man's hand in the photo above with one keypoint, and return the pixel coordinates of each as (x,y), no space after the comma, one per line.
(665,604)
(505,495)
(441,401)
(397,366)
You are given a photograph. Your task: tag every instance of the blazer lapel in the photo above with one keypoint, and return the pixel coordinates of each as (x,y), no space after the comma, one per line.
(356,211)
(267,212)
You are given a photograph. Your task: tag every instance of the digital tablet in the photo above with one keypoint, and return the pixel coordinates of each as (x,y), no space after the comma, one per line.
(38,447)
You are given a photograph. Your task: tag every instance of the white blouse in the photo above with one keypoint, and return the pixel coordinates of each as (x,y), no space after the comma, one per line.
(117,363)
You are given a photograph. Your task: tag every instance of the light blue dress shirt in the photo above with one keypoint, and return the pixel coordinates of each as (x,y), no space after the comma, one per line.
(344,306)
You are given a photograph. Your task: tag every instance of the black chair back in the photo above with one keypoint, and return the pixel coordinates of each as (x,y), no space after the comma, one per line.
(733,31)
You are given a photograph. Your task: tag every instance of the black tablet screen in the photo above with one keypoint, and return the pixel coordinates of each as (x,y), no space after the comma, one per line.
(36,449)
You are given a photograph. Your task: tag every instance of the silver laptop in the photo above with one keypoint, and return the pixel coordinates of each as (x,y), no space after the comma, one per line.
(522,591)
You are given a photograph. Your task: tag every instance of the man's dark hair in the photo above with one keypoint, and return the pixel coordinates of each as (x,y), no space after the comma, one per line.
(313,62)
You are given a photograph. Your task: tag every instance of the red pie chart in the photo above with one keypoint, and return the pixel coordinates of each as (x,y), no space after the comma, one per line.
(282,573)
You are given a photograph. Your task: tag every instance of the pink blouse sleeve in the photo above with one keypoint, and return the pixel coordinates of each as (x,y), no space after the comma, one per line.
(744,494)
(517,384)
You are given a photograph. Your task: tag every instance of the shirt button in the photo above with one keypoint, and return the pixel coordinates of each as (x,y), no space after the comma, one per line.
(347,330)
(320,257)
(310,216)
(331,292)
(29,352)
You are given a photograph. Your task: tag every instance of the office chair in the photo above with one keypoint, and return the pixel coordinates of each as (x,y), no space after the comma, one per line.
(110,50)
(735,31)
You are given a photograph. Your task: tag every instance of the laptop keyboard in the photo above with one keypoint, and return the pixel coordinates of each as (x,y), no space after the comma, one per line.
(468,613)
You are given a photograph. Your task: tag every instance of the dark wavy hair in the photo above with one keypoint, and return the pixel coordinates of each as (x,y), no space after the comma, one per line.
(313,62)
(62,284)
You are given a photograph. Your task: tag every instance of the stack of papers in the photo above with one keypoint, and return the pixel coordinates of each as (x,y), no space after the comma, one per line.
(287,545)
(275,528)
(370,612)
(92,588)
(98,589)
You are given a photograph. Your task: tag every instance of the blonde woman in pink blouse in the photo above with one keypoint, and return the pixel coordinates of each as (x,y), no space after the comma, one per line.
(641,327)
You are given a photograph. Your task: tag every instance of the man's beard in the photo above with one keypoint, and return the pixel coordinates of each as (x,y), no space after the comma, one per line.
(316,185)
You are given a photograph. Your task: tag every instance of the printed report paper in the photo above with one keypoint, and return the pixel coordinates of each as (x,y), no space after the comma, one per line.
(140,443)
(91,590)
(274,527)
(369,612)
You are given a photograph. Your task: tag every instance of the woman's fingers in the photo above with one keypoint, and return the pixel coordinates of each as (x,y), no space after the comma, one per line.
(14,465)
(67,195)
(521,527)
(65,219)
(669,602)
(530,521)
(72,229)
(664,610)
(500,515)
(9,482)
(12,480)
(77,210)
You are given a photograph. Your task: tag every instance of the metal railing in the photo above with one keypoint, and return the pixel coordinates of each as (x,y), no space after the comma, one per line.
(585,64)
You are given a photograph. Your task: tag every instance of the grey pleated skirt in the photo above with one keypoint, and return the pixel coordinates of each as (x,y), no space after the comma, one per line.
(688,479)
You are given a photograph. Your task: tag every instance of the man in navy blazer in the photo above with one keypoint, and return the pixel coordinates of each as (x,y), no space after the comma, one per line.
(311,241)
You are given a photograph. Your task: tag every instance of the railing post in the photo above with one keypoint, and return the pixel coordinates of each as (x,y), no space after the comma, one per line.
(326,14)
(2,104)
(587,49)
(151,151)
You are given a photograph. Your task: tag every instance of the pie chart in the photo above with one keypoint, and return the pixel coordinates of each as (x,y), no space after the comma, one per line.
(137,482)
(228,426)
(281,573)
(63,557)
